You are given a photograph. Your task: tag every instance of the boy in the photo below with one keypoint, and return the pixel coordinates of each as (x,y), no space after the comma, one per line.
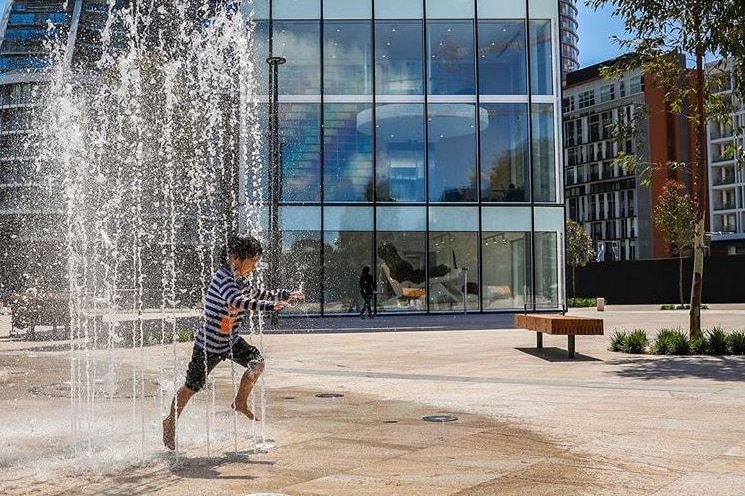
(229,297)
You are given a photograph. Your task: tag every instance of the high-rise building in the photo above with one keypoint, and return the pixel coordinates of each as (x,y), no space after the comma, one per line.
(612,203)
(569,36)
(420,139)
(726,176)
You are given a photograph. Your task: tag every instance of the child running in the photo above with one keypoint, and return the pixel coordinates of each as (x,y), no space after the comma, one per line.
(229,297)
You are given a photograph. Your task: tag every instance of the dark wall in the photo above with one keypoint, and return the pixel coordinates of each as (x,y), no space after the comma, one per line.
(656,281)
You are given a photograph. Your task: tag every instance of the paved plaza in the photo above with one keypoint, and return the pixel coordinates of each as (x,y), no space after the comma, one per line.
(529,422)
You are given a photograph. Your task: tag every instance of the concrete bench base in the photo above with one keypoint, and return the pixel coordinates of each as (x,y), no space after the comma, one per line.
(564,325)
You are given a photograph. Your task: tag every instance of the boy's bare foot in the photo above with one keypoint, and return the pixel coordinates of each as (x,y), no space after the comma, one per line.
(245,411)
(169,432)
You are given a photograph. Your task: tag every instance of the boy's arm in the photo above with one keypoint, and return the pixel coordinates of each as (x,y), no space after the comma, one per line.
(265,294)
(233,296)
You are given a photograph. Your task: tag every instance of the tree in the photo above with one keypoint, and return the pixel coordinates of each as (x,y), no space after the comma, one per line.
(675,217)
(579,249)
(658,34)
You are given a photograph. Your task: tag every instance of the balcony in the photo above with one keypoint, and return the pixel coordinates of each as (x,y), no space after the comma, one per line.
(720,181)
(725,205)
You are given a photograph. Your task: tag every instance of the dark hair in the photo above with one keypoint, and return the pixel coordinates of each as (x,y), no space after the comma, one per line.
(241,246)
(365,270)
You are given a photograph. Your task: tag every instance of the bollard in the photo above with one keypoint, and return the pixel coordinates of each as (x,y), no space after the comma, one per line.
(601,304)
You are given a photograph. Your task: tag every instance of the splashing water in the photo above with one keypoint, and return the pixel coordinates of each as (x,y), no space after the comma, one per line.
(151,149)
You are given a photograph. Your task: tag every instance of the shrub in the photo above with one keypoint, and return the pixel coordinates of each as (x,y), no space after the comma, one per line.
(685,306)
(581,302)
(185,335)
(736,342)
(717,341)
(698,345)
(635,342)
(671,342)
(617,340)
(679,344)
(663,342)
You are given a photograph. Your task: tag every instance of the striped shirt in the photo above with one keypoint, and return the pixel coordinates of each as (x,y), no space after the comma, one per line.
(226,302)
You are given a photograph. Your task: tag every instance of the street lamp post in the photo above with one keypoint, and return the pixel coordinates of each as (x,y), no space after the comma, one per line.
(275,176)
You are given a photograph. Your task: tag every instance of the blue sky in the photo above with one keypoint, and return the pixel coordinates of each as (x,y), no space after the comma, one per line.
(594,30)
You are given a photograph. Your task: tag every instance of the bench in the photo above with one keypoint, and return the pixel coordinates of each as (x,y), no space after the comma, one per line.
(563,325)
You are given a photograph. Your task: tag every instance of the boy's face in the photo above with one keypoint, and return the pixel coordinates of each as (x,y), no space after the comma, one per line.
(243,266)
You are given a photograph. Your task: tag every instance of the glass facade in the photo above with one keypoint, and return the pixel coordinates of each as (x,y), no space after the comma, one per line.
(418,139)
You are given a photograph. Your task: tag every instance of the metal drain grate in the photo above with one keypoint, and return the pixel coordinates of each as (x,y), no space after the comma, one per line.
(329,395)
(439,418)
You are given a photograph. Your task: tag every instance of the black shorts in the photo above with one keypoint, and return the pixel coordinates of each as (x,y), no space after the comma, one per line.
(202,362)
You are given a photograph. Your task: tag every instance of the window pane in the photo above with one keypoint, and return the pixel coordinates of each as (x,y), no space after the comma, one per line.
(399,145)
(449,9)
(453,271)
(257,9)
(501,10)
(504,269)
(396,9)
(452,152)
(544,158)
(299,43)
(300,269)
(453,218)
(348,159)
(345,253)
(296,9)
(451,58)
(546,270)
(400,271)
(346,9)
(505,174)
(401,218)
(260,36)
(543,9)
(398,58)
(348,218)
(541,63)
(255,169)
(502,58)
(300,141)
(506,219)
(347,58)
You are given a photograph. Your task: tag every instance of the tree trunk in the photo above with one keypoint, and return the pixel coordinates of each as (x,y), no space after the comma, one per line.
(700,190)
(574,281)
(680,276)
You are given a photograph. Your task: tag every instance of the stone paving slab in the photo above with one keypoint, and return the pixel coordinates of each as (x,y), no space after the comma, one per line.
(529,423)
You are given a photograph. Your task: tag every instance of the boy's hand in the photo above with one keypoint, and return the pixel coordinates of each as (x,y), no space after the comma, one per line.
(297,295)
(279,305)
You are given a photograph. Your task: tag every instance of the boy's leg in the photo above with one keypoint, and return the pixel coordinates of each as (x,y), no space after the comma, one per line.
(248,356)
(182,397)
(200,366)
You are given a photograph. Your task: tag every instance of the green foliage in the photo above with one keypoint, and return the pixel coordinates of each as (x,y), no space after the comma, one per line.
(671,342)
(674,216)
(660,37)
(717,339)
(685,306)
(579,245)
(617,341)
(698,345)
(582,302)
(635,342)
(736,342)
(185,335)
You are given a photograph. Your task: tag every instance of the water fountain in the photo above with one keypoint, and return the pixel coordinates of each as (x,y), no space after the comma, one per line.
(145,146)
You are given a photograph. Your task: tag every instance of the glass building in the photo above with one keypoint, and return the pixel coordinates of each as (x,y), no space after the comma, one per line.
(419,138)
